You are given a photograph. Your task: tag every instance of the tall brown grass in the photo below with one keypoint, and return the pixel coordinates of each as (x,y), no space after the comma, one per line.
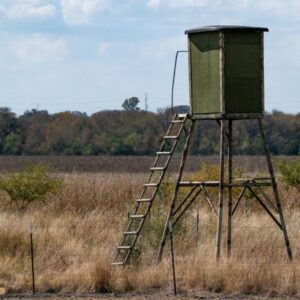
(76,232)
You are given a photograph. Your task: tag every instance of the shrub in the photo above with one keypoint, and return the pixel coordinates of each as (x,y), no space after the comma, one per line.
(32,184)
(290,172)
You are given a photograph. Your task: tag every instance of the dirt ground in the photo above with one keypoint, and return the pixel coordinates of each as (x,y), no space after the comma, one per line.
(151,295)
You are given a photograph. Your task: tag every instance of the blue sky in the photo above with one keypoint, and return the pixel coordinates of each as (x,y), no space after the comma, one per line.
(89,55)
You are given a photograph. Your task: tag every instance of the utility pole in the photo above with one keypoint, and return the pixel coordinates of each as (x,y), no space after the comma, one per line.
(146,101)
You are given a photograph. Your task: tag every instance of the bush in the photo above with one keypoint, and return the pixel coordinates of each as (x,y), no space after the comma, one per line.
(32,184)
(290,172)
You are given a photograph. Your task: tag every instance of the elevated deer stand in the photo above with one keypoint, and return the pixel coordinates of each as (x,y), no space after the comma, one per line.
(226,85)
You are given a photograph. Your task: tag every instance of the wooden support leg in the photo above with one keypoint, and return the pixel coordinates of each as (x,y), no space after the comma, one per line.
(172,207)
(230,188)
(276,194)
(221,191)
(197,220)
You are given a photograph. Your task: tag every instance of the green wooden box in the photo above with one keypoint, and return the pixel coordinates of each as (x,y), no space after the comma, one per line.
(226,72)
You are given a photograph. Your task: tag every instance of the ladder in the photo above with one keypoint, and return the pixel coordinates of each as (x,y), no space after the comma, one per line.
(150,188)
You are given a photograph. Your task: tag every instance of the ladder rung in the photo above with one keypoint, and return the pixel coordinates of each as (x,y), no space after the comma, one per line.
(124,247)
(144,200)
(151,184)
(171,137)
(118,263)
(164,153)
(130,232)
(137,216)
(157,169)
(177,121)
(182,116)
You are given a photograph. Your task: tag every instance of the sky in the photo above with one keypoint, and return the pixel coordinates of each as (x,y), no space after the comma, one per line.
(90,55)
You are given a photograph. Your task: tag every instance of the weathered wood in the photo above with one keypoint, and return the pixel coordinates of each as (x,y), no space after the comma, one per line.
(264,206)
(186,207)
(248,182)
(208,200)
(147,185)
(266,197)
(221,191)
(276,194)
(180,173)
(238,200)
(229,212)
(184,200)
(254,185)
(226,133)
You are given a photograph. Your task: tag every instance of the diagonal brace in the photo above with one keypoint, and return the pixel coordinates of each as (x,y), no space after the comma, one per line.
(265,196)
(184,200)
(238,200)
(187,206)
(207,199)
(265,207)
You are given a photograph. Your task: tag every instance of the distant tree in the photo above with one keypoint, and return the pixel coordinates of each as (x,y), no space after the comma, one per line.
(8,124)
(130,104)
(13,144)
(134,131)
(34,111)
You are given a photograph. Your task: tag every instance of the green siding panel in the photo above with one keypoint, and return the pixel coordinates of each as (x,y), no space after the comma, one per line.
(242,38)
(243,95)
(205,73)
(243,91)
(243,61)
(242,77)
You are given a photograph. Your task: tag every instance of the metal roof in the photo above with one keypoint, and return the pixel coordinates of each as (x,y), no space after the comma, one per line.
(225,28)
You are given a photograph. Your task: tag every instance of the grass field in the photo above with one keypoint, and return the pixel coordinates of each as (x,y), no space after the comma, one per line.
(76,231)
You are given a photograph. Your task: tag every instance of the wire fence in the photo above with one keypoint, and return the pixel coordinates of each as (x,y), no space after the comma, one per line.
(42,252)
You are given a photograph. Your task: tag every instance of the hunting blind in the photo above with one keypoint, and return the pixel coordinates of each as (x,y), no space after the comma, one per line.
(226,71)
(226,75)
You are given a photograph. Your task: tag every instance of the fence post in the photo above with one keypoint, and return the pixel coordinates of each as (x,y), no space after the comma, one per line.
(32,258)
(173,258)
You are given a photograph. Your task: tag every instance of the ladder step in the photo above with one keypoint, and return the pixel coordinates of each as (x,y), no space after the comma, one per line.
(176,121)
(182,116)
(151,184)
(157,169)
(130,232)
(171,137)
(137,216)
(124,247)
(164,153)
(144,200)
(118,263)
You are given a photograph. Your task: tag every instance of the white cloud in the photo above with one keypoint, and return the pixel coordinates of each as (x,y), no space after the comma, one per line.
(20,9)
(273,7)
(77,12)
(178,3)
(154,3)
(103,48)
(38,48)
(158,50)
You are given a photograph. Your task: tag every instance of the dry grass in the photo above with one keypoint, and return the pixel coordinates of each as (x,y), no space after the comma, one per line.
(76,232)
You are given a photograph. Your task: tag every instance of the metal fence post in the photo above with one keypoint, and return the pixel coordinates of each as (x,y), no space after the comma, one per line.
(32,258)
(172,256)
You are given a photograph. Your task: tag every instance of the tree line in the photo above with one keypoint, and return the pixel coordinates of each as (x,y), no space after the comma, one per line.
(133,132)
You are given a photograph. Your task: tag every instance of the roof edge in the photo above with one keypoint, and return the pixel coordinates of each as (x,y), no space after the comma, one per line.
(225,28)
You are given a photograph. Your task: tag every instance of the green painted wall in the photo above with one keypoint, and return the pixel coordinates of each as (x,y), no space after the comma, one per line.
(243,92)
(205,73)
(242,77)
